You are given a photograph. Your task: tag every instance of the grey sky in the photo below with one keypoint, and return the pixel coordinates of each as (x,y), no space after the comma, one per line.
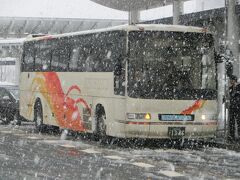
(188,7)
(58,8)
(89,10)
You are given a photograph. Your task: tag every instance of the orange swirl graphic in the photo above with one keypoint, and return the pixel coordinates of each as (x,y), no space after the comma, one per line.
(197,105)
(65,108)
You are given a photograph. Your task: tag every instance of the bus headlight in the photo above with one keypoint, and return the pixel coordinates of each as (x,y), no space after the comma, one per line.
(208,117)
(146,116)
(203,117)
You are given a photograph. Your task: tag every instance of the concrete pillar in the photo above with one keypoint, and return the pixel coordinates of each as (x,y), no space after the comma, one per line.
(220,38)
(233,35)
(177,11)
(134,16)
(222,120)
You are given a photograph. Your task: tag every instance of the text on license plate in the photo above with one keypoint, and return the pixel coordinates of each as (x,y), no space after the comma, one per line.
(176,132)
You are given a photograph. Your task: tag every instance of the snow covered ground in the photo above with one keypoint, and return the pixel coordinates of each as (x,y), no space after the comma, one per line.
(25,154)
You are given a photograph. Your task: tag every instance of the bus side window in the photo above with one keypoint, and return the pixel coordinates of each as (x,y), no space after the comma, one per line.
(38,63)
(90,59)
(42,56)
(115,60)
(46,59)
(73,64)
(81,61)
(55,60)
(38,55)
(60,59)
(107,62)
(63,59)
(28,63)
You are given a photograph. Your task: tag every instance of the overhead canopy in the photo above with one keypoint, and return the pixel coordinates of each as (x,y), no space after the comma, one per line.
(12,27)
(127,5)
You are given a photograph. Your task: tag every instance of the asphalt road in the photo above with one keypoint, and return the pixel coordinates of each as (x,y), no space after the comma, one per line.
(25,154)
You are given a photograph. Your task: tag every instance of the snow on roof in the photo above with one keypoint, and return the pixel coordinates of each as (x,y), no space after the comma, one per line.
(138,27)
(8,59)
(16,41)
(4,83)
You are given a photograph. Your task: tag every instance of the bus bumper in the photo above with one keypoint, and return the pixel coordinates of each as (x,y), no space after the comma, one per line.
(159,131)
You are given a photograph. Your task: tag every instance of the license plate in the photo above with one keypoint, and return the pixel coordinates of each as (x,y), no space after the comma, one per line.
(176,132)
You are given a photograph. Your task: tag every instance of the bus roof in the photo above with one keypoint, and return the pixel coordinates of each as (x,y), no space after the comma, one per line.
(137,27)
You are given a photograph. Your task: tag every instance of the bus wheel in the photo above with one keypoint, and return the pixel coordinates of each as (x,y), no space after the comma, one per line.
(100,122)
(38,117)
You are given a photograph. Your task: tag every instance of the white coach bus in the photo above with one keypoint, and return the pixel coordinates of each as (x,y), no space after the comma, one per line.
(144,81)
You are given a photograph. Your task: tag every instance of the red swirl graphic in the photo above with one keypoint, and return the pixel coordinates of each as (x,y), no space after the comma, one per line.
(197,105)
(65,108)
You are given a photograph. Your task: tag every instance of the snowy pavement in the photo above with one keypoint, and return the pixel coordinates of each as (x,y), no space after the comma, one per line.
(25,154)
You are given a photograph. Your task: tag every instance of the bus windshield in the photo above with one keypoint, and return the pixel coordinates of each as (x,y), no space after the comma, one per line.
(171,65)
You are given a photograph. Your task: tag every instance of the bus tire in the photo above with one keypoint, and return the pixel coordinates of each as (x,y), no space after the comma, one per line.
(38,116)
(100,122)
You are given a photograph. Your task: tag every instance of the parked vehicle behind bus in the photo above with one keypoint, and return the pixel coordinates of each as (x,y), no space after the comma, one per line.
(144,81)
(9,104)
(10,55)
